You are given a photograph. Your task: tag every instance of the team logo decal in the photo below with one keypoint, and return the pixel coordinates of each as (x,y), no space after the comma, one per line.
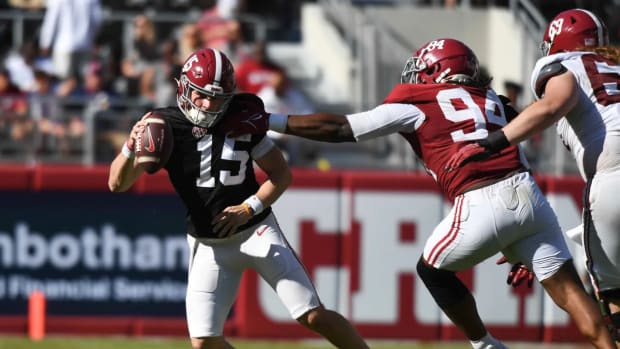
(250,120)
(151,146)
(188,65)
(199,132)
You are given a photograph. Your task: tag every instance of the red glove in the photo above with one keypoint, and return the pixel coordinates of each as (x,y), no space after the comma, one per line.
(518,273)
(482,149)
(245,115)
(470,152)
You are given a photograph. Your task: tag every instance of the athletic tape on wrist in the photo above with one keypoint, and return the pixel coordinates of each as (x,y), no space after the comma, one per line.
(255,204)
(277,122)
(128,153)
(247,209)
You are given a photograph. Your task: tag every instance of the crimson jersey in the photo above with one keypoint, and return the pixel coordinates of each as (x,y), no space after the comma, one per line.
(449,117)
(210,171)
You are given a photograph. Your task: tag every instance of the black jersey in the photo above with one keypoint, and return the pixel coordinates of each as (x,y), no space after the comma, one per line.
(210,171)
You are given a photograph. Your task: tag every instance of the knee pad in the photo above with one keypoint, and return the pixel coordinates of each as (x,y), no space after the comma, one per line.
(444,286)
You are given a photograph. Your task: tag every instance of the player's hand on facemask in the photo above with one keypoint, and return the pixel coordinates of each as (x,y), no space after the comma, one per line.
(518,273)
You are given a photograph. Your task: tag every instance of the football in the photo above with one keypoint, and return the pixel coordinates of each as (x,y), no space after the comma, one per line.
(154,145)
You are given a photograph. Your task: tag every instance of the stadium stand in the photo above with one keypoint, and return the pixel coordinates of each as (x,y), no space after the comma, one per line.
(362,46)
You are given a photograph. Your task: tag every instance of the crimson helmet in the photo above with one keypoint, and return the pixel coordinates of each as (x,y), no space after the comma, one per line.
(572,30)
(441,60)
(209,72)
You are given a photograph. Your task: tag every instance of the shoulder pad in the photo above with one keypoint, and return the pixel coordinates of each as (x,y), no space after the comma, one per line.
(546,73)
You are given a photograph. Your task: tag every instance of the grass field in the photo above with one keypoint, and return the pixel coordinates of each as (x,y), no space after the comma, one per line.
(10,342)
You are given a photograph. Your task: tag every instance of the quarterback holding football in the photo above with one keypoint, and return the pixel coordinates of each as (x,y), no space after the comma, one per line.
(230,224)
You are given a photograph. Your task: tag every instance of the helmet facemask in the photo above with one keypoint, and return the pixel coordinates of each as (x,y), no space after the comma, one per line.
(417,71)
(413,67)
(195,114)
(545,46)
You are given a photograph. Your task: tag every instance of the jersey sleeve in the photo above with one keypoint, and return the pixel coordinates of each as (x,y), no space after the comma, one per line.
(385,119)
(262,147)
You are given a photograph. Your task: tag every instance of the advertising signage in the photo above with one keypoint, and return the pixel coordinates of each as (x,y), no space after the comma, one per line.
(93,253)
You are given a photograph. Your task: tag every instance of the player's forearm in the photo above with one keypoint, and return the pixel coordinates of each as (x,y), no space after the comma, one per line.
(561,95)
(122,173)
(535,118)
(319,127)
(274,187)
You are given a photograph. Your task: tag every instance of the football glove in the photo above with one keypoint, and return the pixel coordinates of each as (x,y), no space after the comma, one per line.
(245,115)
(482,149)
(518,273)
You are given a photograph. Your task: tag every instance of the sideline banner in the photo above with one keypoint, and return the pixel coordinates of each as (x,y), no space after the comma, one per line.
(116,263)
(93,253)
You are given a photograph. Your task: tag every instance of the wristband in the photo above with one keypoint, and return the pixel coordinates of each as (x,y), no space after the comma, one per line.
(255,204)
(495,141)
(128,153)
(247,208)
(278,122)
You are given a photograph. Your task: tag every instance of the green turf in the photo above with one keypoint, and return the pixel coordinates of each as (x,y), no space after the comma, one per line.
(13,342)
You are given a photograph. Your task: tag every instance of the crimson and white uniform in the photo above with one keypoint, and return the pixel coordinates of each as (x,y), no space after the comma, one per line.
(210,172)
(591,131)
(507,212)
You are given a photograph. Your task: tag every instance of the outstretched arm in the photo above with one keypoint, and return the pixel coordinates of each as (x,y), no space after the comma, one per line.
(249,117)
(561,95)
(319,127)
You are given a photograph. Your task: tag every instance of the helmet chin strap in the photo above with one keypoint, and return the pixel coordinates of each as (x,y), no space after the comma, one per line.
(202,118)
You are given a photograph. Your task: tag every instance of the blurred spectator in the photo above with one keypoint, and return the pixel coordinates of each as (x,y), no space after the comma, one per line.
(228,8)
(21,66)
(106,57)
(138,65)
(260,75)
(27,4)
(220,32)
(513,92)
(189,40)
(258,71)
(68,31)
(45,113)
(167,70)
(16,128)
(13,99)
(94,89)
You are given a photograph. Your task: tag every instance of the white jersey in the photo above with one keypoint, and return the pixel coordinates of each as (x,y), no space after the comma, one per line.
(591,130)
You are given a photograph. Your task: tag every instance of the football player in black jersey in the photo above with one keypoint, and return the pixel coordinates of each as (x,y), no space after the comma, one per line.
(230,224)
